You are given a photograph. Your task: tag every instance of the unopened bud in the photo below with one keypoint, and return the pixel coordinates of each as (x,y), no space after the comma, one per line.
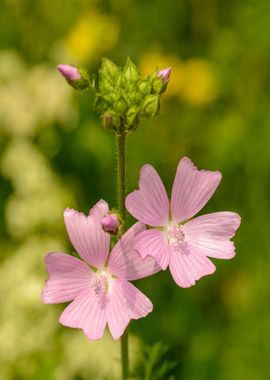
(110,223)
(120,106)
(130,71)
(150,106)
(108,69)
(132,117)
(165,74)
(145,87)
(107,121)
(77,78)
(111,120)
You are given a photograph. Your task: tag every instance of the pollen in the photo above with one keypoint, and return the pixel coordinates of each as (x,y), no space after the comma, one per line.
(101,283)
(176,236)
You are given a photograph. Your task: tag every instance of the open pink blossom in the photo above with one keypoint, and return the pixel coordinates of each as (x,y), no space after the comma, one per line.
(175,240)
(104,294)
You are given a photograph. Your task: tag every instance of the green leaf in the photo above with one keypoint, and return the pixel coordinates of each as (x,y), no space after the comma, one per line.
(155,364)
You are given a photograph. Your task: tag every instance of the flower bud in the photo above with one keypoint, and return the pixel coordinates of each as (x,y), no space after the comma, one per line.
(111,120)
(110,223)
(107,121)
(120,105)
(145,87)
(101,105)
(165,74)
(77,78)
(123,98)
(132,117)
(158,86)
(108,69)
(150,106)
(130,71)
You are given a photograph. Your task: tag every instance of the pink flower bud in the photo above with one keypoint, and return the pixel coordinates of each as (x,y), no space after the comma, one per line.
(69,72)
(110,223)
(165,74)
(76,77)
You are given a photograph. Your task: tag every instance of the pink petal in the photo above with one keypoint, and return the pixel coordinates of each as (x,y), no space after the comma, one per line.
(68,277)
(87,235)
(209,234)
(125,261)
(71,73)
(87,312)
(154,243)
(165,74)
(100,209)
(192,188)
(186,268)
(126,302)
(150,204)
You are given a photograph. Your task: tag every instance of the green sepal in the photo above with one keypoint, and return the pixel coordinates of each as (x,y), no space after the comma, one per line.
(82,83)
(150,105)
(158,85)
(132,117)
(130,71)
(108,75)
(111,120)
(145,86)
(120,105)
(100,104)
(109,69)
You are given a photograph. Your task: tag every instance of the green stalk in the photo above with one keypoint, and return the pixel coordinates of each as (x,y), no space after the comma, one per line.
(121,182)
(121,191)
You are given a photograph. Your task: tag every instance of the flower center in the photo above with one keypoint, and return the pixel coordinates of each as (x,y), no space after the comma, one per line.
(176,236)
(101,283)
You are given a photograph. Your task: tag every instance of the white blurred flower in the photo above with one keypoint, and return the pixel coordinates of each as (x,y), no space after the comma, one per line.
(39,196)
(26,326)
(32,99)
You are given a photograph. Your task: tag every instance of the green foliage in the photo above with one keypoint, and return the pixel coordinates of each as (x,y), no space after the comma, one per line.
(154,363)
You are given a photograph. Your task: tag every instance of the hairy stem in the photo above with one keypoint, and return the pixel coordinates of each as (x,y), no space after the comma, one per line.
(121,191)
(121,182)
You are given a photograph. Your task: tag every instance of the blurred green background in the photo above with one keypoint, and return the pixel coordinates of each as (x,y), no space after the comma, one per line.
(54,154)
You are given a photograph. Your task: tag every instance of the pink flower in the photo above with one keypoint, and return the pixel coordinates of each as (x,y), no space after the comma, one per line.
(71,73)
(110,223)
(99,296)
(165,74)
(175,240)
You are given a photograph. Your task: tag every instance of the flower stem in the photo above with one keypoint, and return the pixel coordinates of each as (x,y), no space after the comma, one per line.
(121,182)
(121,190)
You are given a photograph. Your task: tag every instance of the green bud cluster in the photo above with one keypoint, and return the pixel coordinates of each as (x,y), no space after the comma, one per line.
(123,98)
